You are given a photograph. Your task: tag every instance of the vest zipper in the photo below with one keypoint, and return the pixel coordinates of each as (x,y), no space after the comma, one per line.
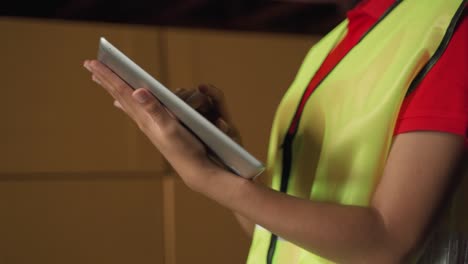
(286,170)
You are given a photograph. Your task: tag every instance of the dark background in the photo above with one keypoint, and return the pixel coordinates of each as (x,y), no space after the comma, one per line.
(290,16)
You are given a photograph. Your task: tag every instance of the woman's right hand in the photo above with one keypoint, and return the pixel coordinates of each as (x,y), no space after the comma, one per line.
(209,101)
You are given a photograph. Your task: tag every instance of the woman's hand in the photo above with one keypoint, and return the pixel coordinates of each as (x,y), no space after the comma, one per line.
(184,151)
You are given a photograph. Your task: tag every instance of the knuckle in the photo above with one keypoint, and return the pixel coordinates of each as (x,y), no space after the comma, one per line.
(154,109)
(179,91)
(198,101)
(183,93)
(145,124)
(178,94)
(169,129)
(218,93)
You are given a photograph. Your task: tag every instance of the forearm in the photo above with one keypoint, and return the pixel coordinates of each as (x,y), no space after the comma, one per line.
(353,234)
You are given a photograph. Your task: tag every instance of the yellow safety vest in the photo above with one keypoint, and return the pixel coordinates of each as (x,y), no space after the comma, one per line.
(338,150)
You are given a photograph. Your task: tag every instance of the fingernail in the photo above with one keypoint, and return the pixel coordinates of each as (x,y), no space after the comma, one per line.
(141,96)
(95,80)
(222,125)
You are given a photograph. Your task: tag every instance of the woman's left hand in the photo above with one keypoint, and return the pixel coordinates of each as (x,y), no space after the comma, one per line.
(182,149)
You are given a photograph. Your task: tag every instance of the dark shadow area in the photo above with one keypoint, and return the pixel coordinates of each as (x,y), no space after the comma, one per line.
(288,16)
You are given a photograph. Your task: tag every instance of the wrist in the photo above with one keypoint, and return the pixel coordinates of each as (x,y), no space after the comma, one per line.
(226,189)
(198,174)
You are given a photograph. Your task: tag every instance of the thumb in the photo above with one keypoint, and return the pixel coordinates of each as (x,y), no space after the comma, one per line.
(152,106)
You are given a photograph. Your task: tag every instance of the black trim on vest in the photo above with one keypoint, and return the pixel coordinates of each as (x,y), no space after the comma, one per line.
(440,50)
(288,140)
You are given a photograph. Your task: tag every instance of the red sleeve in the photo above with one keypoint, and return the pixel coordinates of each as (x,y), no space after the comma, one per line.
(440,102)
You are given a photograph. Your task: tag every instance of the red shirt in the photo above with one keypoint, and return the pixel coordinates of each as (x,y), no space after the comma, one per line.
(440,102)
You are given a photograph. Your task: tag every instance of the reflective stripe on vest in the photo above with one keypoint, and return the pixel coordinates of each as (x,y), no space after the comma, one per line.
(338,150)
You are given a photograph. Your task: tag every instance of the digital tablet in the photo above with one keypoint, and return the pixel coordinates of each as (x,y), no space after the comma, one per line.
(227,150)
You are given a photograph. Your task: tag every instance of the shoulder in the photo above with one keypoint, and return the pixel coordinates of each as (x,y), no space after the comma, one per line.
(440,102)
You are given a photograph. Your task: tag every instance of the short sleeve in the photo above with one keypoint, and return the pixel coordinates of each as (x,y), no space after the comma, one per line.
(440,102)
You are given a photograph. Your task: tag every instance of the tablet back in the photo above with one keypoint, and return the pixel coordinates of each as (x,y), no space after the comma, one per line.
(227,150)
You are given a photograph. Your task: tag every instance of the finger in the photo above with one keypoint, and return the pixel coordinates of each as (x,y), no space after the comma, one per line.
(217,97)
(109,80)
(222,125)
(212,91)
(116,103)
(183,93)
(204,105)
(96,80)
(119,106)
(197,100)
(152,107)
(228,129)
